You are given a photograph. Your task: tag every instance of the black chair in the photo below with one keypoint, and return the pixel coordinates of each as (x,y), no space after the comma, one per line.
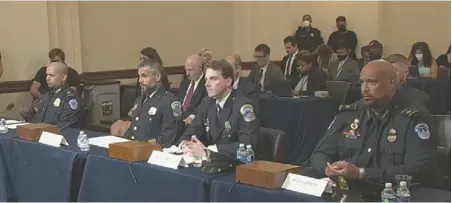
(443,73)
(270,144)
(338,91)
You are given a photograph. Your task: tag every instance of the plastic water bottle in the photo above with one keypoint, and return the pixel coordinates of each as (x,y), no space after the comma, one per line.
(241,153)
(249,154)
(3,127)
(82,141)
(403,193)
(388,194)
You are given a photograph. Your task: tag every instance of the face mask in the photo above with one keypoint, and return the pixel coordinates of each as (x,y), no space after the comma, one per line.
(306,23)
(419,57)
(341,57)
(374,57)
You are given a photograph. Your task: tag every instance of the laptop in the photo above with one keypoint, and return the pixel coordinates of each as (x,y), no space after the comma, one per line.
(280,88)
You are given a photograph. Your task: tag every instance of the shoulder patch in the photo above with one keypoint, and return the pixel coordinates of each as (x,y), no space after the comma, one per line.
(248,113)
(73,103)
(348,107)
(409,112)
(176,106)
(422,131)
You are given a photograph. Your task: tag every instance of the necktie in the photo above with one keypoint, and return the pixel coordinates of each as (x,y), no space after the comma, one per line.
(261,71)
(287,72)
(218,112)
(189,95)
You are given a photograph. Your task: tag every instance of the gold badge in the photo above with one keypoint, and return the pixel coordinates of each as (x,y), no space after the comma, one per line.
(227,125)
(392,135)
(57,102)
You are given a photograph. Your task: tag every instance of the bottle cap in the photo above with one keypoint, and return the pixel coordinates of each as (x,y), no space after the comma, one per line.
(241,145)
(81,131)
(388,184)
(248,146)
(403,183)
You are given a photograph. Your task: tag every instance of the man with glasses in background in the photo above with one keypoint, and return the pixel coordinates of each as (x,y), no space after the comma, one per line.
(264,72)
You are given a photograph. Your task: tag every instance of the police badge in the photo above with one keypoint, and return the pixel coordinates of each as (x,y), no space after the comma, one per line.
(206,124)
(176,106)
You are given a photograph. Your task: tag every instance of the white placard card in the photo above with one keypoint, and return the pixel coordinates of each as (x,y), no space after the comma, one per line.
(304,184)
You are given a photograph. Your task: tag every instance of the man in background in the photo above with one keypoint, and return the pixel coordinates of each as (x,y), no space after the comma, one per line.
(343,35)
(288,63)
(309,38)
(242,85)
(344,66)
(264,71)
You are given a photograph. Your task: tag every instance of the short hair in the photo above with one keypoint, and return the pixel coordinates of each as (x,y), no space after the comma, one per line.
(365,48)
(263,48)
(60,67)
(292,39)
(151,53)
(398,58)
(323,51)
(57,52)
(341,18)
(224,67)
(152,65)
(373,41)
(306,57)
(341,45)
(376,45)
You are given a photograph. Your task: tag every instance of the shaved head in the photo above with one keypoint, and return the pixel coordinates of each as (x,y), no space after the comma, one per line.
(235,62)
(59,67)
(193,67)
(378,83)
(56,74)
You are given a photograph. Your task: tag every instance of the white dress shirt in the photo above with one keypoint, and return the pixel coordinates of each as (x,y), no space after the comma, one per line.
(288,69)
(261,80)
(236,83)
(192,116)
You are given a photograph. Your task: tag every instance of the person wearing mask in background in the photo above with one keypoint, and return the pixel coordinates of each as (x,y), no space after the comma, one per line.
(311,78)
(375,51)
(264,71)
(150,53)
(324,55)
(422,59)
(364,57)
(444,59)
(288,63)
(343,35)
(343,66)
(308,37)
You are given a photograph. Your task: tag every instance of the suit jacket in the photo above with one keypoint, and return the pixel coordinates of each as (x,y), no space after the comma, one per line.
(350,66)
(237,123)
(247,88)
(293,75)
(273,72)
(316,81)
(198,95)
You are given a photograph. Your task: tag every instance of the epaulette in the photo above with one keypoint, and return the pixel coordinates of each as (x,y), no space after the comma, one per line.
(348,107)
(409,112)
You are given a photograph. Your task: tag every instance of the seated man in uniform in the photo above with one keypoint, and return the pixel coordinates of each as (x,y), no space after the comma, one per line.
(225,120)
(60,105)
(380,136)
(155,112)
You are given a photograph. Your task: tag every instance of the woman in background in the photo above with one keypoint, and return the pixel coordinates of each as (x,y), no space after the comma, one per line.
(324,55)
(422,59)
(312,79)
(444,59)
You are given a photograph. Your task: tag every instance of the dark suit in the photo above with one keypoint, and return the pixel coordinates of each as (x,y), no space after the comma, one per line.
(349,66)
(199,93)
(273,72)
(237,124)
(247,88)
(316,81)
(155,119)
(293,76)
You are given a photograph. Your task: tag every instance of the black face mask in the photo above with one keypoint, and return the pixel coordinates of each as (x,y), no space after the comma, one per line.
(374,57)
(341,28)
(341,57)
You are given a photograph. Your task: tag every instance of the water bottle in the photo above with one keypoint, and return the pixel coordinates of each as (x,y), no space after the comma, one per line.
(3,127)
(388,194)
(83,142)
(249,154)
(241,153)
(403,194)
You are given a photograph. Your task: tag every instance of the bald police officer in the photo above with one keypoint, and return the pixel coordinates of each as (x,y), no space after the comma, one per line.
(380,136)
(226,119)
(156,112)
(60,106)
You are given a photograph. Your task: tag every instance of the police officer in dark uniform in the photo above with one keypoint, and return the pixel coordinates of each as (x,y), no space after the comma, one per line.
(225,119)
(380,136)
(156,112)
(309,38)
(59,106)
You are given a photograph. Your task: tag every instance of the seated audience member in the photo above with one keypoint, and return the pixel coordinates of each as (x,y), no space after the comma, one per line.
(364,57)
(343,66)
(311,78)
(264,71)
(59,105)
(40,86)
(380,136)
(242,85)
(206,56)
(192,89)
(324,55)
(227,119)
(155,112)
(288,66)
(375,50)
(152,54)
(422,59)
(444,59)
(400,62)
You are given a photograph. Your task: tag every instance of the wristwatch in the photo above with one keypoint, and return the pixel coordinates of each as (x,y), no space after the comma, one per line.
(361,173)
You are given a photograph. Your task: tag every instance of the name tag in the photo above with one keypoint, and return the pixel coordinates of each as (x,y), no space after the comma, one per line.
(165,159)
(52,139)
(304,184)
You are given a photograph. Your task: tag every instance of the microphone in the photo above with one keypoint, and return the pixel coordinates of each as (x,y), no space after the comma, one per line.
(9,107)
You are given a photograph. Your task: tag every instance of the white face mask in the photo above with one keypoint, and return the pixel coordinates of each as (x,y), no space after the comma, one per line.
(306,23)
(419,57)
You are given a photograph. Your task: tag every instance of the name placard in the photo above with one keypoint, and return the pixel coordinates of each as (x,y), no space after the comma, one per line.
(52,139)
(304,184)
(165,159)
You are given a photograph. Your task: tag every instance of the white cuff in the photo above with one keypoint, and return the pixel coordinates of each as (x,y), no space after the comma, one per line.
(192,116)
(213,148)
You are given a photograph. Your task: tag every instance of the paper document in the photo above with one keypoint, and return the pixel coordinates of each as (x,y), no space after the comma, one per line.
(104,141)
(14,125)
(8,122)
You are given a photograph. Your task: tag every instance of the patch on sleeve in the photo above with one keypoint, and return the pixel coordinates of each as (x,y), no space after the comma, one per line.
(176,106)
(73,104)
(248,113)
(422,131)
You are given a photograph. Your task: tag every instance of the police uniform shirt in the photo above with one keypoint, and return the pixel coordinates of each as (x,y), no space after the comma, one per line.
(221,130)
(58,107)
(309,39)
(397,141)
(154,117)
